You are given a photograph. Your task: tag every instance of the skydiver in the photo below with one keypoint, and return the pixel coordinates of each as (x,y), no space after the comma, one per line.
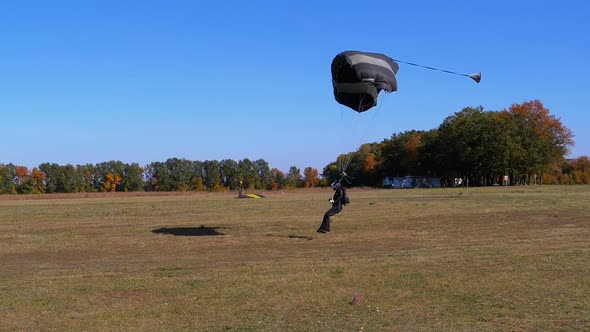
(240,189)
(339,199)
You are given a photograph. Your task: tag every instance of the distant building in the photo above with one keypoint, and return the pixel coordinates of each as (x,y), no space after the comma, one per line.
(409,182)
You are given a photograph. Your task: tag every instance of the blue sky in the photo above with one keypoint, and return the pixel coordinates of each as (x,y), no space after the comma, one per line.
(143,81)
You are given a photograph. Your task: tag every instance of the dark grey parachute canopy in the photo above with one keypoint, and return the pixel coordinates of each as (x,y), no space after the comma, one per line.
(358,77)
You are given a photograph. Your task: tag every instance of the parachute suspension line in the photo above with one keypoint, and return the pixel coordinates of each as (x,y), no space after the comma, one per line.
(361,102)
(347,158)
(476,77)
(346,161)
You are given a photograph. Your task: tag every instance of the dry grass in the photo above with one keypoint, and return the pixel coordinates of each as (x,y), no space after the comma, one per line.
(497,259)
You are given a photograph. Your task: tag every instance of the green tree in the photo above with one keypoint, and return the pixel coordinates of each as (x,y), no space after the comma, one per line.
(331,172)
(474,145)
(294,179)
(52,177)
(429,158)
(247,173)
(59,179)
(158,177)
(7,176)
(132,177)
(85,178)
(198,173)
(262,171)
(229,173)
(181,173)
(212,175)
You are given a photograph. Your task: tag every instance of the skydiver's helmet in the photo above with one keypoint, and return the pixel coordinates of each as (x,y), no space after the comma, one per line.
(336,185)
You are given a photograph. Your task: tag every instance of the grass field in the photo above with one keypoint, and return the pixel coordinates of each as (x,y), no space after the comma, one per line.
(481,259)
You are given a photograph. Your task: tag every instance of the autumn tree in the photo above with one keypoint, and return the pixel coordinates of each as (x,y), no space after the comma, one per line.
(400,154)
(22,173)
(277,179)
(111,182)
(370,163)
(544,139)
(38,180)
(411,162)
(311,177)
(363,166)
(473,144)
(29,182)
(115,169)
(198,185)
(579,172)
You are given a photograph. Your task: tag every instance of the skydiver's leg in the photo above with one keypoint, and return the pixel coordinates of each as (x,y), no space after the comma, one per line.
(326,221)
(325,226)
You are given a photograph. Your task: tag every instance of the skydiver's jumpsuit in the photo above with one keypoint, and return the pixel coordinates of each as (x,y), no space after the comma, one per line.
(335,209)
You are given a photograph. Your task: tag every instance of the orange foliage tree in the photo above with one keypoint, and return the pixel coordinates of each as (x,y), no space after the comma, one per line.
(198,184)
(542,136)
(370,163)
(312,178)
(111,182)
(411,149)
(580,170)
(38,180)
(22,173)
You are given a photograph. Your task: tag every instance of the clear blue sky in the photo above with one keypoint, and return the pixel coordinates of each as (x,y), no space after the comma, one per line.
(142,81)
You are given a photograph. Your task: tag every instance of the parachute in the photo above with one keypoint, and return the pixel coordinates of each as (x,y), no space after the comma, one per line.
(358,77)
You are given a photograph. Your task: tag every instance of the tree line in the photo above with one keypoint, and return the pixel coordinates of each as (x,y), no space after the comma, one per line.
(524,142)
(172,175)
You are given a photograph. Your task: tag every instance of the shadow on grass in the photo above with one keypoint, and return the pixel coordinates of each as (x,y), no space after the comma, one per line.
(300,237)
(189,231)
(292,236)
